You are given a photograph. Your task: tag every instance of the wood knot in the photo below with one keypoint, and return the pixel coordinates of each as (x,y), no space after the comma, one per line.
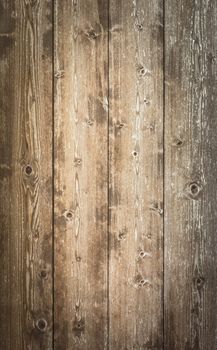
(119,125)
(28,170)
(122,234)
(193,190)
(77,162)
(140,282)
(156,208)
(79,327)
(89,122)
(143,254)
(142,71)
(135,154)
(69,215)
(59,74)
(211,57)
(178,142)
(41,325)
(146,101)
(92,35)
(199,281)
(43,274)
(139,27)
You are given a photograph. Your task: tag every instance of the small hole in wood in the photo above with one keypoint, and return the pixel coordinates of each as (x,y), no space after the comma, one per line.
(41,325)
(194,188)
(92,35)
(78,259)
(69,215)
(119,125)
(77,161)
(146,101)
(28,170)
(135,154)
(89,122)
(200,281)
(43,274)
(179,143)
(139,27)
(141,254)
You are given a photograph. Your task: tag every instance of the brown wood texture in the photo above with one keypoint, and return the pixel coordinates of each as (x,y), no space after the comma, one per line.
(136,174)
(26,175)
(81,187)
(190,175)
(108,159)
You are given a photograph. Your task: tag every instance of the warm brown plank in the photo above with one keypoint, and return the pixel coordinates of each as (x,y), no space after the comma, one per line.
(25,175)
(81,129)
(191,167)
(136,174)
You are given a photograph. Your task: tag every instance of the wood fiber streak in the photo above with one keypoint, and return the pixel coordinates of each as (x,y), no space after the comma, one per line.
(26,175)
(190,175)
(81,209)
(136,174)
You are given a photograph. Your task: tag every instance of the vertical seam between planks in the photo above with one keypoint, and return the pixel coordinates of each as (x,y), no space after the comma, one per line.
(108,182)
(164,117)
(53,183)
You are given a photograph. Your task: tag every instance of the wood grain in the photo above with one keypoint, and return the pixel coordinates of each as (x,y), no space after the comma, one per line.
(136,174)
(190,175)
(26,175)
(81,206)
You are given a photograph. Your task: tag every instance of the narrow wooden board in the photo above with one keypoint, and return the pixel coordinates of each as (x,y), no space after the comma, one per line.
(81,209)
(136,174)
(190,175)
(26,175)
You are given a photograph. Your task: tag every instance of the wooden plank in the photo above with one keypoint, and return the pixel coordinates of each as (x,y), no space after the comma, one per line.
(136,174)
(190,178)
(81,135)
(25,175)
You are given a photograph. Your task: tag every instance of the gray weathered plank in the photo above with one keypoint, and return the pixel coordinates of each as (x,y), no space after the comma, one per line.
(81,135)
(25,175)
(136,174)
(190,175)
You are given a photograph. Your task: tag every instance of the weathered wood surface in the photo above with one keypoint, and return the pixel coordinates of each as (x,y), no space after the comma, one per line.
(100,153)
(190,175)
(26,175)
(81,188)
(136,174)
